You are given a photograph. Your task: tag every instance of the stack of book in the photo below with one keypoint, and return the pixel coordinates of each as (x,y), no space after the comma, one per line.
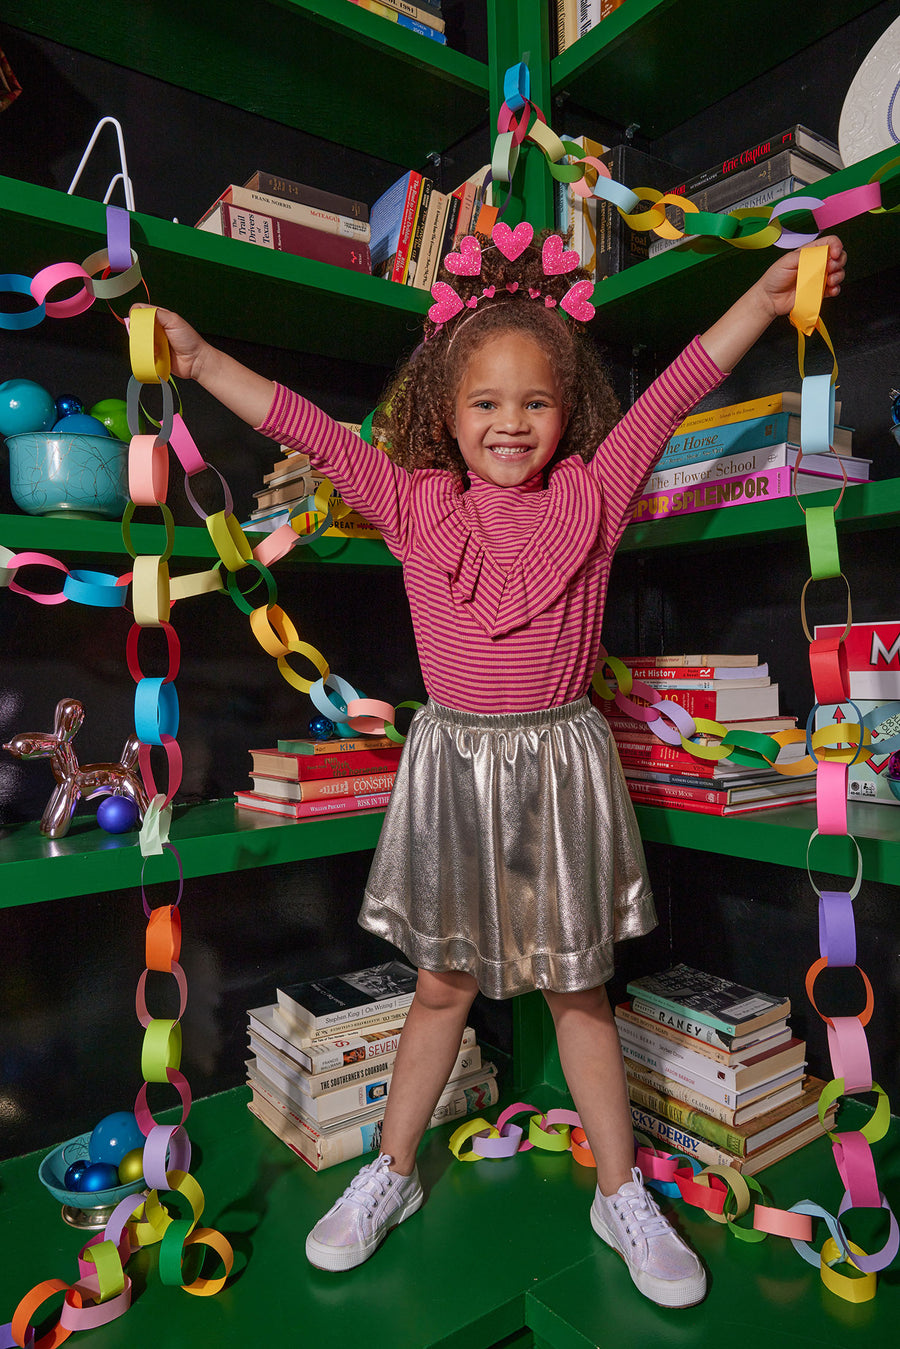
(290,481)
(323,1055)
(414,226)
(758,175)
(304,779)
(735,690)
(424,17)
(714,1072)
(745,452)
(275,212)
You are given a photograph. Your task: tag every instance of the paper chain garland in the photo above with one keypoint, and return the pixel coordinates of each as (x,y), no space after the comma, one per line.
(722,1191)
(102,1291)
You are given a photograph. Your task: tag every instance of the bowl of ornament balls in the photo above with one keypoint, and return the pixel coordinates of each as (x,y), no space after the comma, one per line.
(64,459)
(97,1169)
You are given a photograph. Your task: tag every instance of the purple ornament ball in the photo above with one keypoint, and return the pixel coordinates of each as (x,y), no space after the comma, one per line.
(66,404)
(320,728)
(117,814)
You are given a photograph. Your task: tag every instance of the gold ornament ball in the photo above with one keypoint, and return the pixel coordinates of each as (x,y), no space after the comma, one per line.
(131,1167)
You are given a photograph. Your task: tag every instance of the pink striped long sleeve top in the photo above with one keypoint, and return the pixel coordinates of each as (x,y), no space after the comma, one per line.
(506,585)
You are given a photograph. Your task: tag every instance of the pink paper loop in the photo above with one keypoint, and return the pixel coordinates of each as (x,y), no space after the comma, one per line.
(54,275)
(167,1148)
(142,1111)
(831,796)
(845,205)
(276,545)
(779,1222)
(185,448)
(856,1168)
(36,560)
(849,1050)
(94,1314)
(140,1001)
(837,929)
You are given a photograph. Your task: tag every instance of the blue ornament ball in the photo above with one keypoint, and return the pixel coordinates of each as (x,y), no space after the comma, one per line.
(117,814)
(25,406)
(320,728)
(81,424)
(66,404)
(74,1173)
(115,1135)
(98,1176)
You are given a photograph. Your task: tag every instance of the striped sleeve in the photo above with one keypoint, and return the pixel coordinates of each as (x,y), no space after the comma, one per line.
(625,459)
(363,474)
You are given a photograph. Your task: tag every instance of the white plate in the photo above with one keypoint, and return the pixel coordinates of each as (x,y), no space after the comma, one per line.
(870,117)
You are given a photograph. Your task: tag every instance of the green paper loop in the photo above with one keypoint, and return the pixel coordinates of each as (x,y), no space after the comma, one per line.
(821,539)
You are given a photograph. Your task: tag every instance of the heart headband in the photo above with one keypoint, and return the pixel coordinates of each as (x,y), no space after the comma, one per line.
(556,260)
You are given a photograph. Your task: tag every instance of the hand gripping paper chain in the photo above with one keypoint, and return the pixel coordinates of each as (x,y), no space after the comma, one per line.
(102,1291)
(723,1192)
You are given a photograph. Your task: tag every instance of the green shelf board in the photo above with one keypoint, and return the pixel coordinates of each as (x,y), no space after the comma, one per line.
(501,1254)
(667,299)
(782,836)
(322,66)
(650,62)
(211,838)
(871,505)
(226,287)
(40,533)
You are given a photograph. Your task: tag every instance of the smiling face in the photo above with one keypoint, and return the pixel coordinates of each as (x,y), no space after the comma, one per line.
(508,415)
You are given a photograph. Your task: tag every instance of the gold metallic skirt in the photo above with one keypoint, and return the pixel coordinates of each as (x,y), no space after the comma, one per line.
(510,850)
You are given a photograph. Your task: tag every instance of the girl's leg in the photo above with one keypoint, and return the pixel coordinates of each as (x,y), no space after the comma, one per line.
(428,1049)
(623,1213)
(387,1191)
(591,1058)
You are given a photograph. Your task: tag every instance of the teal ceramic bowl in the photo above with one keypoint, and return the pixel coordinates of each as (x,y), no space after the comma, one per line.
(52,1173)
(894,784)
(52,473)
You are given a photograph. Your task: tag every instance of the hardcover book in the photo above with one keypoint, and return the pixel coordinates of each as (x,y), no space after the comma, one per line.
(710,999)
(680,1140)
(277,186)
(769,485)
(332,222)
(393,218)
(798,138)
(286,236)
(739,1139)
(777,1033)
(723,467)
(323,789)
(318,1056)
(619,246)
(336,759)
(716,1109)
(736,437)
(303,810)
(339,1000)
(754,1068)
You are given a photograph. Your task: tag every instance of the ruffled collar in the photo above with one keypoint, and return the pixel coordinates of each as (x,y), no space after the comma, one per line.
(558,525)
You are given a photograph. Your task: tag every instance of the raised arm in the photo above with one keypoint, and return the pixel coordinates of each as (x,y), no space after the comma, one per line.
(238,388)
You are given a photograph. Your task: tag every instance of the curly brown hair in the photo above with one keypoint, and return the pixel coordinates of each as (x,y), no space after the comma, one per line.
(411,422)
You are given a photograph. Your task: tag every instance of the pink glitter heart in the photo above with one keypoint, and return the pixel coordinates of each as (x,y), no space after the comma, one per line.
(549,301)
(576,301)
(557,260)
(471,302)
(512,243)
(489,292)
(467,262)
(512,287)
(535,294)
(447,303)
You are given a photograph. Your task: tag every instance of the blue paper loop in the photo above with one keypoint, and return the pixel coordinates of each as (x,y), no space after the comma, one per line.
(816,414)
(16,284)
(155,711)
(517,86)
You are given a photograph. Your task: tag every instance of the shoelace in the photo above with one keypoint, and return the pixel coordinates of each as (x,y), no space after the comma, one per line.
(644,1217)
(357,1192)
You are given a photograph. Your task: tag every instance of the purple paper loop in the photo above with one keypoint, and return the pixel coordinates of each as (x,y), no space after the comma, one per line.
(837,927)
(505,1146)
(118,238)
(788,238)
(870,1264)
(165,1141)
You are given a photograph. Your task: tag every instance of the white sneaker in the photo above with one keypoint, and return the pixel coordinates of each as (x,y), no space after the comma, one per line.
(661,1265)
(375,1201)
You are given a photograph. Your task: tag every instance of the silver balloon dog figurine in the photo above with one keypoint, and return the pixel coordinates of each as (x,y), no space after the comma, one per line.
(73,781)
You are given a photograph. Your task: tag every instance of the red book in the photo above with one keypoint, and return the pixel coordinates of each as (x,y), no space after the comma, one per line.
(407,228)
(287,236)
(323,789)
(675,796)
(650,671)
(276,763)
(302,810)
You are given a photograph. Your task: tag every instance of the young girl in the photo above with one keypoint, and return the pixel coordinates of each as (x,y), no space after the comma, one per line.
(510,857)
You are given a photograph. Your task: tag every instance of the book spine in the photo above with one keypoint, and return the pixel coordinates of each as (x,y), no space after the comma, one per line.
(678,1073)
(346,1016)
(648,995)
(752,434)
(663,674)
(752,155)
(318,747)
(347,763)
(276,186)
(314,217)
(423,29)
(430,17)
(324,789)
(671,1053)
(770,485)
(724,1135)
(764,406)
(344,1054)
(664,794)
(303,810)
(676,1138)
(415,247)
(345,1100)
(407,228)
(682,1021)
(716,468)
(657,755)
(625,1012)
(640,1072)
(286,236)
